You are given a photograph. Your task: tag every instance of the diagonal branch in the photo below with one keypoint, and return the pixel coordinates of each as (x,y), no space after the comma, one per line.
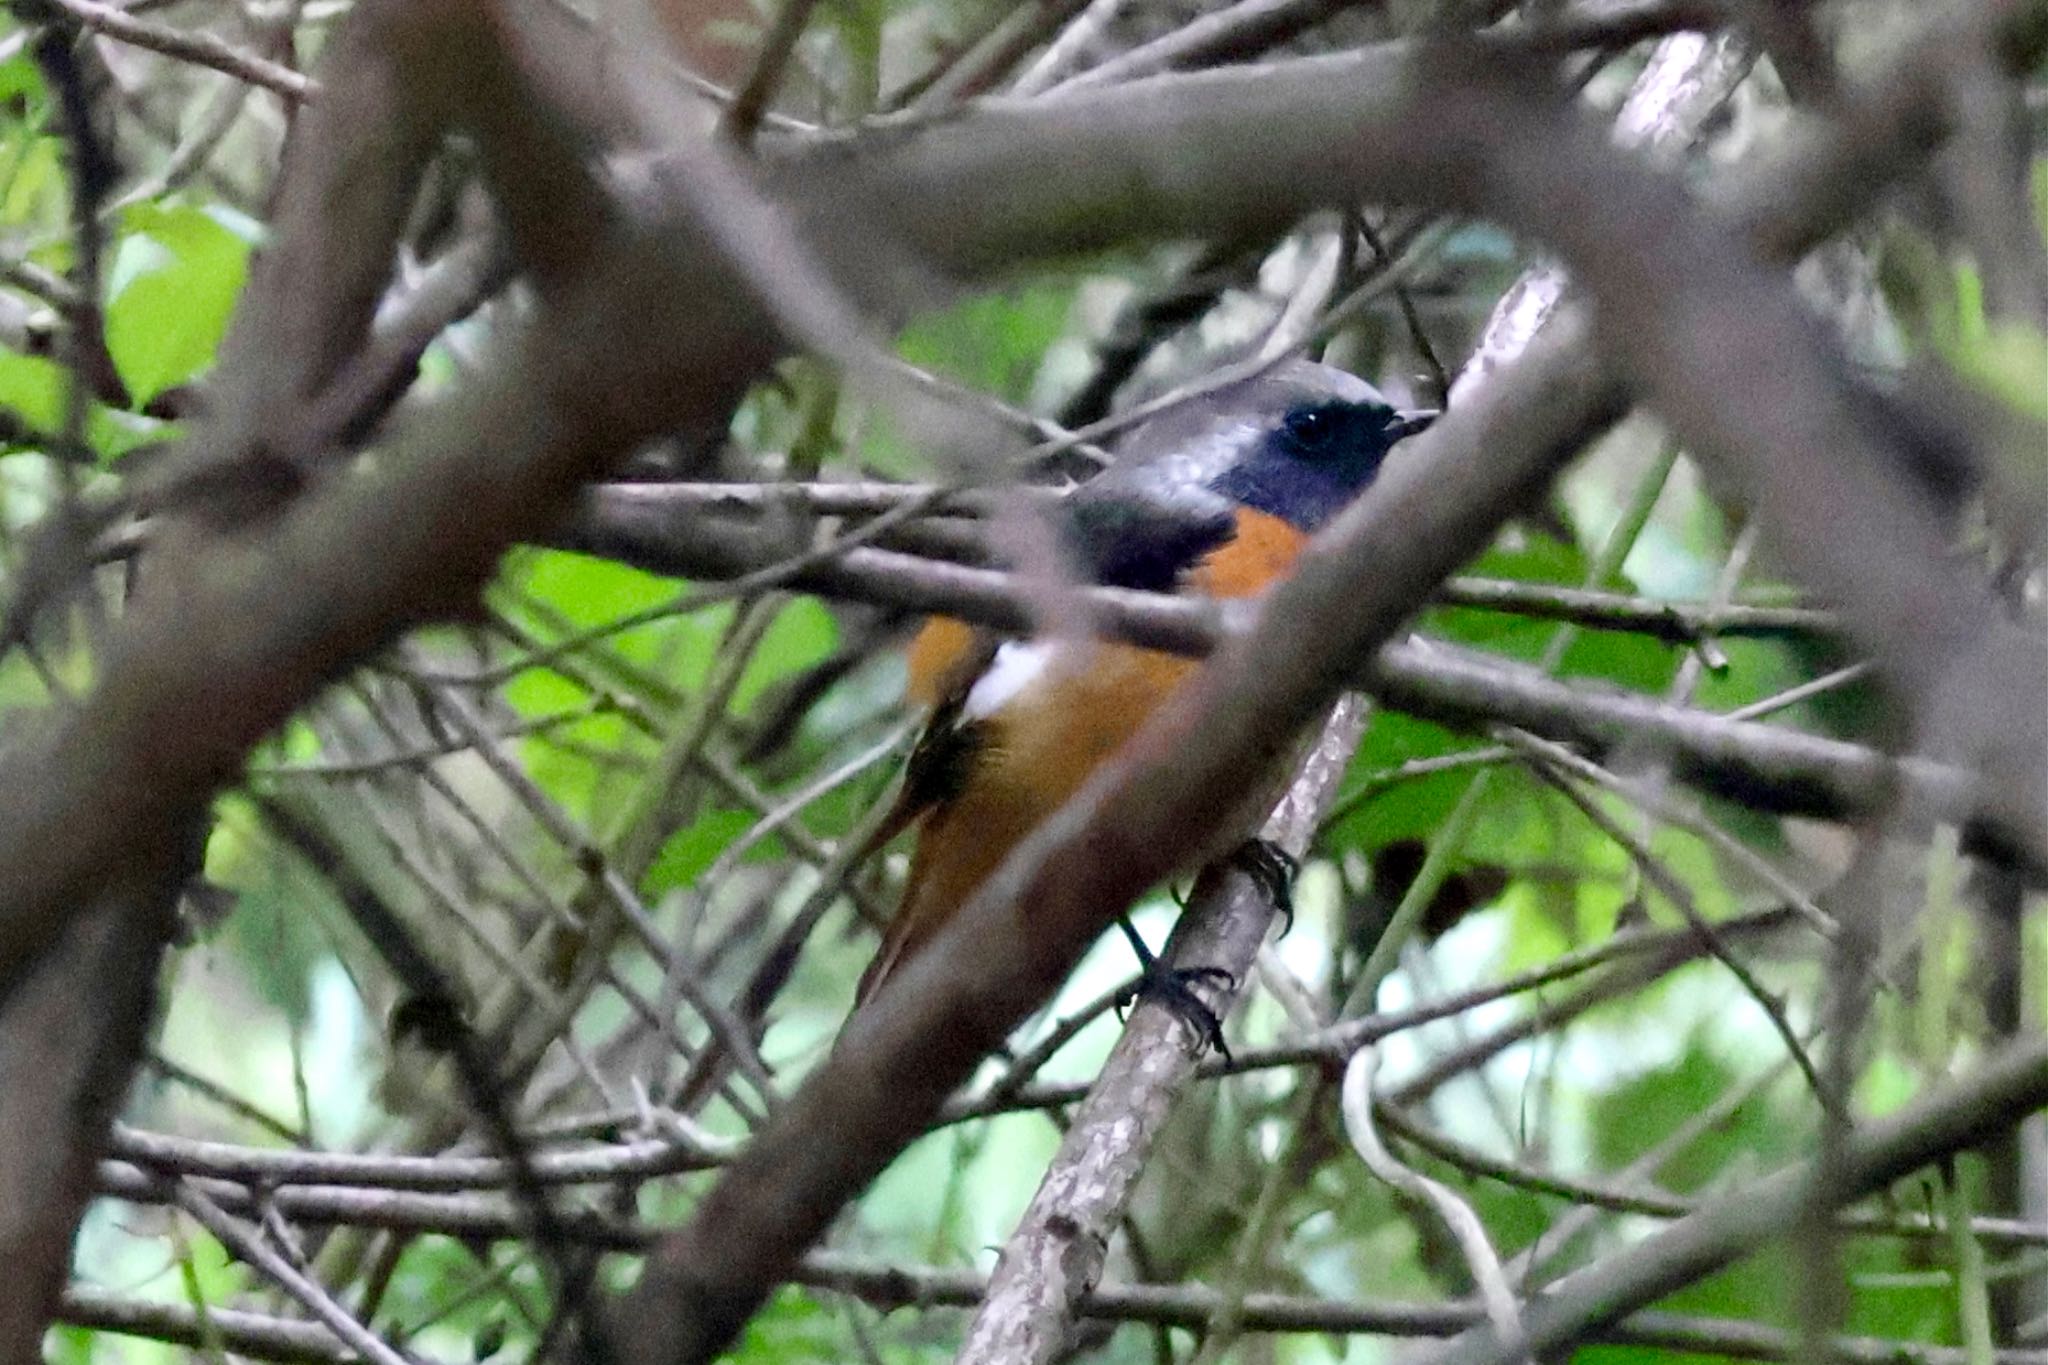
(1129,826)
(200,49)
(1695,321)
(1055,1256)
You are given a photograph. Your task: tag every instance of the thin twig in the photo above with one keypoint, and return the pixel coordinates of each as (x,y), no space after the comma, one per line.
(258,1336)
(743,115)
(1653,802)
(250,1245)
(1069,49)
(1676,892)
(1457,1216)
(201,49)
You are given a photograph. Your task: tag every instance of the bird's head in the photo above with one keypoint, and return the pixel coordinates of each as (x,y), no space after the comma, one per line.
(1297,442)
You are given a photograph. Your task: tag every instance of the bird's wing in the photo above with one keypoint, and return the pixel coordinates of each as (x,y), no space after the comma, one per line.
(1128,532)
(939,762)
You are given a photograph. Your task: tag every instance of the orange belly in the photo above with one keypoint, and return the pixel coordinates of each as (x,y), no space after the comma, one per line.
(1041,745)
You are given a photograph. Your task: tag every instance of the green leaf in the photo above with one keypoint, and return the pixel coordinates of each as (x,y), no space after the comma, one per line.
(170,289)
(33,388)
(558,758)
(1635,1115)
(1637,662)
(1757,668)
(34,184)
(792,1329)
(802,634)
(2010,362)
(995,342)
(582,593)
(113,433)
(589,591)
(69,1345)
(693,848)
(1410,809)
(20,78)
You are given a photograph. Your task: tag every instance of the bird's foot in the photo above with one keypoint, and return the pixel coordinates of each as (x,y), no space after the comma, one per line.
(1174,988)
(1272,869)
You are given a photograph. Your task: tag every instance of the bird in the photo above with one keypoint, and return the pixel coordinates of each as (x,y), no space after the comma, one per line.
(1215,496)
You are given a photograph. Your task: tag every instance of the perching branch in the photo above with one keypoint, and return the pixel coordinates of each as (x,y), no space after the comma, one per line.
(1774,768)
(1055,1257)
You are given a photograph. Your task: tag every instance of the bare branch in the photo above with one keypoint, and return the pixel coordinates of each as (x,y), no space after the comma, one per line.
(257,1335)
(201,49)
(656,514)
(743,115)
(892,1285)
(250,1244)
(1055,1256)
(1778,769)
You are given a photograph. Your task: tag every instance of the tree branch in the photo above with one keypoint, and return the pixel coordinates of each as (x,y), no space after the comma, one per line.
(1055,1256)
(258,1335)
(1130,825)
(1774,768)
(200,49)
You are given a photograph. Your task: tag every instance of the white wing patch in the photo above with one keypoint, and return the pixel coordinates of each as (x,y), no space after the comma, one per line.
(1017,665)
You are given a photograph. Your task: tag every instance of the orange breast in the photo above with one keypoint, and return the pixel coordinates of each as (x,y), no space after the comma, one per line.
(1042,745)
(1264,548)
(1034,753)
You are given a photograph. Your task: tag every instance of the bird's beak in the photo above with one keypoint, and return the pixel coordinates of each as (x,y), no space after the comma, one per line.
(1408,423)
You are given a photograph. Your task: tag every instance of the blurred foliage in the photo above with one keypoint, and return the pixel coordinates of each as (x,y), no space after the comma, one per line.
(284,1004)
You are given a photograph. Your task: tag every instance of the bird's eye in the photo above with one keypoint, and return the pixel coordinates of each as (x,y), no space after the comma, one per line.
(1314,431)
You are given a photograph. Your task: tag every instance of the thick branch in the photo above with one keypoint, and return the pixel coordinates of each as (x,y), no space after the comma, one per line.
(69,1036)
(1769,766)
(1131,824)
(658,527)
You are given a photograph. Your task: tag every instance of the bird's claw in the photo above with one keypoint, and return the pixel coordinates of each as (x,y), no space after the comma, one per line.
(1272,869)
(1173,988)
